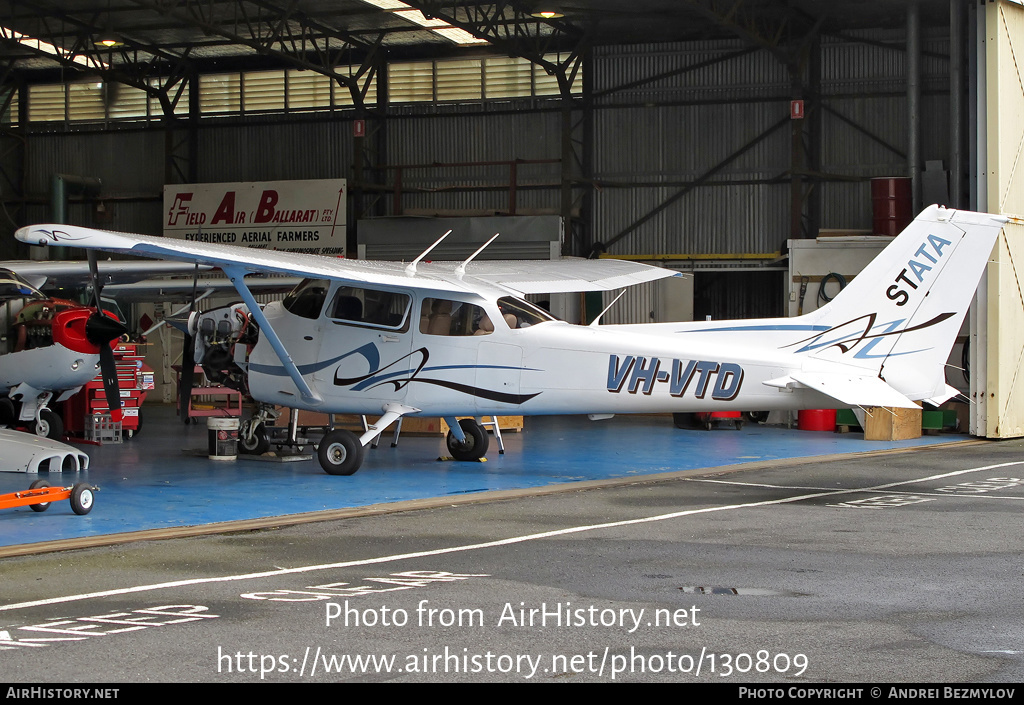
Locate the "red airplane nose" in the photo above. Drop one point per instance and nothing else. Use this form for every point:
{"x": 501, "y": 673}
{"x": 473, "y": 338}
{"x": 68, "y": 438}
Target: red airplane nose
{"x": 84, "y": 331}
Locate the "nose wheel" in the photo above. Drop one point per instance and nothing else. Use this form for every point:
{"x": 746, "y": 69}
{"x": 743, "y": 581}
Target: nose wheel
{"x": 48, "y": 425}
{"x": 254, "y": 441}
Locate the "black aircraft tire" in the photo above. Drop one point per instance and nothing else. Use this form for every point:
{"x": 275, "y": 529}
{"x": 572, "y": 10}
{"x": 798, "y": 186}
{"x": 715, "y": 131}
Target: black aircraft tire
{"x": 42, "y": 506}
{"x": 340, "y": 453}
{"x": 257, "y": 445}
{"x": 49, "y": 425}
{"x": 8, "y": 416}
{"x": 476, "y": 443}
{"x": 683, "y": 421}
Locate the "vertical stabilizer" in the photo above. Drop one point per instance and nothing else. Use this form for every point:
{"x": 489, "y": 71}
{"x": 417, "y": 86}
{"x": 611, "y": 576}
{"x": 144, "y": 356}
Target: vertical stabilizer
{"x": 900, "y": 316}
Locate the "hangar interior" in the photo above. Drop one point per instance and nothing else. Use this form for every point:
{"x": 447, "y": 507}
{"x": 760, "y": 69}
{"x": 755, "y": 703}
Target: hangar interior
{"x": 701, "y": 135}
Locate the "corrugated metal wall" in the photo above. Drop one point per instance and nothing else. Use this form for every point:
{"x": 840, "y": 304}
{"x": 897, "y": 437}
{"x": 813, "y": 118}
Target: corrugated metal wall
{"x": 719, "y": 108}
{"x": 649, "y": 140}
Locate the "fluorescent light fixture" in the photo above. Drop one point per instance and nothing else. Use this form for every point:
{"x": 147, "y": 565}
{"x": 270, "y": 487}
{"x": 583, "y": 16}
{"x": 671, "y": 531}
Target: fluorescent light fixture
{"x": 435, "y": 25}
{"x": 417, "y": 17}
{"x": 40, "y": 45}
{"x": 459, "y": 36}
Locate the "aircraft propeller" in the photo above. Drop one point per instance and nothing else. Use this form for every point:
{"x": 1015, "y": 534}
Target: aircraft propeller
{"x": 188, "y": 354}
{"x": 100, "y": 330}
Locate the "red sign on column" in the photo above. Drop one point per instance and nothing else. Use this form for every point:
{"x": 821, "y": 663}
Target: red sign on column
{"x": 796, "y": 109}
{"x": 359, "y": 128}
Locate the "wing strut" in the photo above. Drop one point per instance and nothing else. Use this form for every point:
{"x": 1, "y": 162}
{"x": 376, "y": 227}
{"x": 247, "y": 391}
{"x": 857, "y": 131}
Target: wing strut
{"x": 237, "y": 277}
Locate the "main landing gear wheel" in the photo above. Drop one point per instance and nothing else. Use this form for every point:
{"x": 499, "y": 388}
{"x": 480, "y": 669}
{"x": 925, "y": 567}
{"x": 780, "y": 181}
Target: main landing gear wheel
{"x": 82, "y": 499}
{"x": 475, "y": 446}
{"x": 42, "y": 506}
{"x": 340, "y": 453}
{"x": 760, "y": 417}
{"x": 49, "y": 425}
{"x": 257, "y": 443}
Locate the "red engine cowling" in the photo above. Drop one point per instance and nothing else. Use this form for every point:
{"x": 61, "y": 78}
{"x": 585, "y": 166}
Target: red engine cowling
{"x": 69, "y": 330}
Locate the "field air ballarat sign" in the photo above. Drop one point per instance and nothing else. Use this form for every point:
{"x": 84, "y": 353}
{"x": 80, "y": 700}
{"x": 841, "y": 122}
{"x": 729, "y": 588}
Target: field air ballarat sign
{"x": 298, "y": 216}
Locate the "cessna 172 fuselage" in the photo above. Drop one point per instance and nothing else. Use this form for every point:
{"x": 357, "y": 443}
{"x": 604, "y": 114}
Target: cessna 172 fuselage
{"x": 459, "y": 339}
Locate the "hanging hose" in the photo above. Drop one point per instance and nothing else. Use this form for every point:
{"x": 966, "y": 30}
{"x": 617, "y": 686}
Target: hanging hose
{"x": 965, "y": 360}
{"x": 822, "y": 296}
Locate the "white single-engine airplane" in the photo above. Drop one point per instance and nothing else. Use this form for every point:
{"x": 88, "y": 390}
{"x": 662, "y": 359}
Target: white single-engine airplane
{"x": 457, "y": 339}
{"x": 49, "y": 348}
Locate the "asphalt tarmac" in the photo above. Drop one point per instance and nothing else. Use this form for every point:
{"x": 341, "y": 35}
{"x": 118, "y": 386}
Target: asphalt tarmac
{"x": 873, "y": 569}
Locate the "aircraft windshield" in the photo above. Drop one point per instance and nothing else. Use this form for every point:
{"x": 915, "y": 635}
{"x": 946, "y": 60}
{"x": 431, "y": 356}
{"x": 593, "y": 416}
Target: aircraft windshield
{"x": 307, "y": 299}
{"x": 519, "y": 313}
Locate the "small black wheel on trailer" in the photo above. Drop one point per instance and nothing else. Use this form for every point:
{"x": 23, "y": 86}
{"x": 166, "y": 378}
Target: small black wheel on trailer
{"x": 340, "y": 453}
{"x": 256, "y": 444}
{"x": 49, "y": 425}
{"x": 476, "y": 443}
{"x": 82, "y": 498}
{"x": 42, "y": 506}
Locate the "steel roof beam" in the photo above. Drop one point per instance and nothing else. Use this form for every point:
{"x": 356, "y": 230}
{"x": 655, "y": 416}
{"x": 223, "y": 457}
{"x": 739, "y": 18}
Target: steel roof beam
{"x": 270, "y": 30}
{"x": 508, "y": 27}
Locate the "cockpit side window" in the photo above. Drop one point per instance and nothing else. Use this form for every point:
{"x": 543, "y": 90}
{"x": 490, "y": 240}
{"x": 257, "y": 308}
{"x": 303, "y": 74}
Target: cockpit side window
{"x": 453, "y": 318}
{"x": 307, "y": 299}
{"x": 371, "y": 307}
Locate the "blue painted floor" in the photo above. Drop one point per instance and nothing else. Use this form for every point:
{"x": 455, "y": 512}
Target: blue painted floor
{"x": 153, "y": 481}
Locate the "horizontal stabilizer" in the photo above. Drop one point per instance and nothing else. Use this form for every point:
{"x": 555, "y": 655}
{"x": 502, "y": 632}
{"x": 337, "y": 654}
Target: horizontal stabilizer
{"x": 854, "y": 390}
{"x": 941, "y": 399}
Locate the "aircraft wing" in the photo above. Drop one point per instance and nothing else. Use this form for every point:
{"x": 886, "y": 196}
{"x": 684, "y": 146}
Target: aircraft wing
{"x": 570, "y": 274}
{"x": 851, "y": 389}
{"x": 228, "y": 256}
{"x": 540, "y": 276}
{"x": 181, "y": 289}
{"x": 67, "y": 273}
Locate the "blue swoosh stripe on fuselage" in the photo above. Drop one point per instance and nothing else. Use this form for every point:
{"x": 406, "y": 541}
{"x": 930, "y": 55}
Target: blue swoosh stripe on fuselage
{"x": 383, "y": 378}
{"x": 733, "y": 329}
{"x": 279, "y": 371}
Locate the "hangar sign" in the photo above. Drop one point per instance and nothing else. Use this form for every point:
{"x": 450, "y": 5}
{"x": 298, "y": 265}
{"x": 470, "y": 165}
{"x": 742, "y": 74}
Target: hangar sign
{"x": 297, "y": 216}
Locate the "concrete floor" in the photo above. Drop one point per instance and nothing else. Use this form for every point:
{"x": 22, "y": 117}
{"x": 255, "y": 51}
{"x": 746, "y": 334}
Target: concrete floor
{"x": 160, "y": 479}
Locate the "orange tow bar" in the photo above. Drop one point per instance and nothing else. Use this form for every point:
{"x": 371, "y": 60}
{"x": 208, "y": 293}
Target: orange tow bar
{"x": 39, "y": 495}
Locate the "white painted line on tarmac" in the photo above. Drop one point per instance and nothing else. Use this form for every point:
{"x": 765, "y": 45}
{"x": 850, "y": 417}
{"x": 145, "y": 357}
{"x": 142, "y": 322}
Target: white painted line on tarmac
{"x": 961, "y": 493}
{"x": 477, "y": 546}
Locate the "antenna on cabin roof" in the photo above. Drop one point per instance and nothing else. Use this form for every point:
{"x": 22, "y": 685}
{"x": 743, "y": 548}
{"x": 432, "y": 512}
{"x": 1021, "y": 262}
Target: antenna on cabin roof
{"x": 461, "y": 269}
{"x": 411, "y": 267}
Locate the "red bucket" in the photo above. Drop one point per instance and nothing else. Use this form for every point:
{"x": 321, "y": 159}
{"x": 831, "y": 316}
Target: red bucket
{"x": 816, "y": 420}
